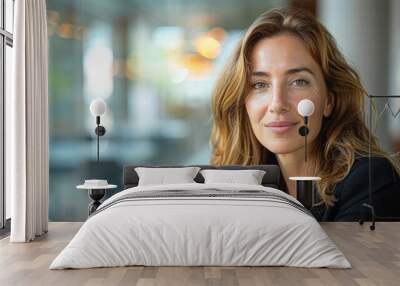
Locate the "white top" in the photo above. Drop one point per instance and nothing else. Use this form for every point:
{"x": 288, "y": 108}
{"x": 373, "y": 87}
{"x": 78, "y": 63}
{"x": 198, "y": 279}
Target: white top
{"x": 305, "y": 178}
{"x": 92, "y": 187}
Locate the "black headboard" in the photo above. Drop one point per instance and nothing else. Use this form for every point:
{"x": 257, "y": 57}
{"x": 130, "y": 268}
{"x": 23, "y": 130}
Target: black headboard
{"x": 270, "y": 179}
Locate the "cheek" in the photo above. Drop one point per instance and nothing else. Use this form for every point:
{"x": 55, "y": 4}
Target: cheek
{"x": 256, "y": 108}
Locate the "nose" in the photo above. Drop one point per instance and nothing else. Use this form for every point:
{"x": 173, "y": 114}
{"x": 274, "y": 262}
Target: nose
{"x": 278, "y": 102}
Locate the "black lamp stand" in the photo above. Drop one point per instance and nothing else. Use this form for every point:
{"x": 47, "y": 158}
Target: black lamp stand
{"x": 100, "y": 131}
{"x": 304, "y": 188}
{"x": 97, "y": 194}
{"x": 303, "y": 131}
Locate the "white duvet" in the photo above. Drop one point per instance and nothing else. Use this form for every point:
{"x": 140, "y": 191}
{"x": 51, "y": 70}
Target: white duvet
{"x": 200, "y": 231}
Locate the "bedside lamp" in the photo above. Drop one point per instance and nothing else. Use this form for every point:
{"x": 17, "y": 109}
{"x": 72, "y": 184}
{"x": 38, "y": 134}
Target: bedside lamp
{"x": 304, "y": 185}
{"x": 97, "y": 188}
{"x": 98, "y": 108}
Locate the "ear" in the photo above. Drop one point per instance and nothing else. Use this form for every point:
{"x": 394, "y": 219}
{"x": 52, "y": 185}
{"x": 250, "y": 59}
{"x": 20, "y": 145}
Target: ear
{"x": 329, "y": 105}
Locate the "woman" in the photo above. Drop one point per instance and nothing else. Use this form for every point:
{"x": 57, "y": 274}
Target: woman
{"x": 286, "y": 56}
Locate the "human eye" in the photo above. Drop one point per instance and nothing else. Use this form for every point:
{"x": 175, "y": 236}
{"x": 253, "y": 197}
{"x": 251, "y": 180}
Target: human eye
{"x": 259, "y": 85}
{"x": 300, "y": 82}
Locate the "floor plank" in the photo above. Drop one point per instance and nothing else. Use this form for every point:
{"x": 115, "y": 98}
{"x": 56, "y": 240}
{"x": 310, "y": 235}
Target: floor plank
{"x": 374, "y": 255}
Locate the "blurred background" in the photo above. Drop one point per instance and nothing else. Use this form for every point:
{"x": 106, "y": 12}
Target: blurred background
{"x": 155, "y": 64}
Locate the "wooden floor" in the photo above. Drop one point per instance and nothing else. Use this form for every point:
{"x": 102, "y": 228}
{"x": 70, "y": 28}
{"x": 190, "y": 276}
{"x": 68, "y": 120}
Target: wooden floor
{"x": 374, "y": 255}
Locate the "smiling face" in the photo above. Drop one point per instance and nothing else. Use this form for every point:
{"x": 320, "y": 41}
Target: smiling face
{"x": 283, "y": 73}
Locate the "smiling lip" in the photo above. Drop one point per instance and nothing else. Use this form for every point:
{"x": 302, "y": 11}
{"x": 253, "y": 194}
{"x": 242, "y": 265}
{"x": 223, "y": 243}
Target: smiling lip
{"x": 280, "y": 127}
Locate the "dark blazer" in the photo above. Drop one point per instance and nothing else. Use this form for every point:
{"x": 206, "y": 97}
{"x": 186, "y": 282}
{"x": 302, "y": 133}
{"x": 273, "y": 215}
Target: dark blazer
{"x": 352, "y": 192}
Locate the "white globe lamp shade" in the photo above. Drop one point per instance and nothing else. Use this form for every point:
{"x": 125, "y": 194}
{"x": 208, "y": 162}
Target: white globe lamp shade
{"x": 305, "y": 107}
{"x": 98, "y": 107}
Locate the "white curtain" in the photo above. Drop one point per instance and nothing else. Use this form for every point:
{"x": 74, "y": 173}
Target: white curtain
{"x": 27, "y": 124}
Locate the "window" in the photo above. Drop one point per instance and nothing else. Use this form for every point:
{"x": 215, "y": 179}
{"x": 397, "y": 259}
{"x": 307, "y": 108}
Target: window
{"x": 6, "y": 44}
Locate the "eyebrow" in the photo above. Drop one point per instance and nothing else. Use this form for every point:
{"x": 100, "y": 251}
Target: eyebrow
{"x": 288, "y": 72}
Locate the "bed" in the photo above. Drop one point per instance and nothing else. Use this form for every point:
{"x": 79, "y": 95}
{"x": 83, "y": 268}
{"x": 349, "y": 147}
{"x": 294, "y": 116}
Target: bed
{"x": 201, "y": 224}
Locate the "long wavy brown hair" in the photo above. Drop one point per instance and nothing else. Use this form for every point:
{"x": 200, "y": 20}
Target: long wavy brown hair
{"x": 343, "y": 136}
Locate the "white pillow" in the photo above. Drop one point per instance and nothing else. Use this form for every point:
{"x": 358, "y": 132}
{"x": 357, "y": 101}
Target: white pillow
{"x": 162, "y": 176}
{"x": 249, "y": 177}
